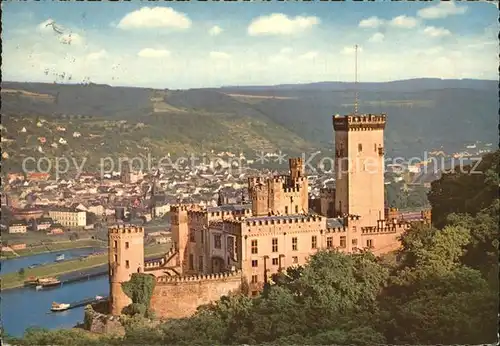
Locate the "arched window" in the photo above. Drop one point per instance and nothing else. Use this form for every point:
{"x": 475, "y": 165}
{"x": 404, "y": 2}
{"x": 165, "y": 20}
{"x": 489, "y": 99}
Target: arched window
{"x": 360, "y": 147}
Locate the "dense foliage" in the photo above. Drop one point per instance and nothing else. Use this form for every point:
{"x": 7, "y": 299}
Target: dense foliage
{"x": 441, "y": 289}
{"x": 139, "y": 289}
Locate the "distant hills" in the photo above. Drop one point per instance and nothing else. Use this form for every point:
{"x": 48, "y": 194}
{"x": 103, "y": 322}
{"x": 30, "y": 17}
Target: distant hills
{"x": 424, "y": 114}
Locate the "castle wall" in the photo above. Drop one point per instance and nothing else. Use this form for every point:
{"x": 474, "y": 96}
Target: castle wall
{"x": 180, "y": 297}
{"x": 280, "y": 232}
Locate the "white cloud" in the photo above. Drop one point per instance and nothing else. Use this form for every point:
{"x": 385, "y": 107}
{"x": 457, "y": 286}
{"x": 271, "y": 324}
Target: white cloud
{"x": 404, "y": 22}
{"x": 350, "y": 50}
{"x": 153, "y": 53}
{"x": 442, "y": 10}
{"x": 372, "y": 22}
{"x": 377, "y": 37}
{"x": 215, "y": 30}
{"x": 155, "y": 17}
{"x": 219, "y": 55}
{"x": 286, "y": 50}
{"x": 432, "y": 31}
{"x": 309, "y": 56}
{"x": 280, "y": 24}
{"x": 97, "y": 55}
{"x": 71, "y": 38}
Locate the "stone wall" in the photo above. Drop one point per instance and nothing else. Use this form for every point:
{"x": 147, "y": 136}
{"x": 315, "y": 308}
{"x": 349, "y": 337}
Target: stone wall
{"x": 179, "y": 297}
{"x": 99, "y": 323}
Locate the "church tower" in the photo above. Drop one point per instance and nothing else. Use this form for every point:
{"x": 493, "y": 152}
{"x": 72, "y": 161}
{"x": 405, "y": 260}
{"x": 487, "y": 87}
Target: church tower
{"x": 359, "y": 166}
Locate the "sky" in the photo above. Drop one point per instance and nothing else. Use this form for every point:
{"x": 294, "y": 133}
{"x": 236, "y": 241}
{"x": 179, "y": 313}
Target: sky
{"x": 180, "y": 45}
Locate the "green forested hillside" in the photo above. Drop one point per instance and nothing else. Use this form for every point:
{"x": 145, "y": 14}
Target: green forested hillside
{"x": 294, "y": 119}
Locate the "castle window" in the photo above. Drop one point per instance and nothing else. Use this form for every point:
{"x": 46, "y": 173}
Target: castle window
{"x": 275, "y": 244}
{"x": 354, "y": 242}
{"x": 369, "y": 243}
{"x": 192, "y": 238}
{"x": 354, "y": 228}
{"x": 127, "y": 245}
{"x": 255, "y": 250}
{"x": 116, "y": 258}
{"x": 329, "y": 242}
{"x": 217, "y": 241}
{"x": 294, "y": 243}
{"x": 296, "y": 209}
{"x": 343, "y": 242}
{"x": 255, "y": 279}
{"x": 375, "y": 147}
{"x": 200, "y": 263}
{"x": 255, "y": 263}
{"x": 314, "y": 242}
{"x": 295, "y": 259}
{"x": 191, "y": 262}
{"x": 116, "y": 244}
{"x": 202, "y": 238}
{"x": 127, "y": 264}
{"x": 286, "y": 210}
{"x": 360, "y": 147}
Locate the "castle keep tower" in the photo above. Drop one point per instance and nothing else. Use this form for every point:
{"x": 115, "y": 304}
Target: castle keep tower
{"x": 281, "y": 195}
{"x": 359, "y": 166}
{"x": 126, "y": 256}
{"x": 180, "y": 233}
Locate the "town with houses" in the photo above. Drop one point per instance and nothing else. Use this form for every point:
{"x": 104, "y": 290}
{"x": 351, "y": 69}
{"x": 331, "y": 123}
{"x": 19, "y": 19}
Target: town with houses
{"x": 39, "y": 203}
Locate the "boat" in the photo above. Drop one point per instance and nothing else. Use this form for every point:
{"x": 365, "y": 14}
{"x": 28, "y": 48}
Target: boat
{"x": 99, "y": 297}
{"x": 38, "y": 287}
{"x": 31, "y": 281}
{"x": 49, "y": 282}
{"x": 59, "y": 306}
{"x": 33, "y": 266}
{"x": 60, "y": 258}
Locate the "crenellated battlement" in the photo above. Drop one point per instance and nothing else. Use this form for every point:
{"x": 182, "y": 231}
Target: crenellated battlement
{"x": 296, "y": 189}
{"x": 359, "y": 122}
{"x": 125, "y": 229}
{"x": 165, "y": 280}
{"x": 271, "y": 220}
{"x": 390, "y": 228}
{"x": 301, "y": 179}
{"x": 148, "y": 265}
{"x": 179, "y": 208}
{"x": 336, "y": 230}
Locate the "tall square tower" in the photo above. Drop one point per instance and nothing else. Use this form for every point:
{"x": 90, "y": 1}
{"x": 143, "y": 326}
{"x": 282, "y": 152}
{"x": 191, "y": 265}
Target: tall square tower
{"x": 359, "y": 166}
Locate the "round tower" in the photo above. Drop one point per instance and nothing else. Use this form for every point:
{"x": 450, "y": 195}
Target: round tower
{"x": 126, "y": 256}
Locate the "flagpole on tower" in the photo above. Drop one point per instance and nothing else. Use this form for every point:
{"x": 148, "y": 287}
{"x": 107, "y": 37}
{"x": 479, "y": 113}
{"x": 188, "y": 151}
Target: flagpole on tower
{"x": 356, "y": 79}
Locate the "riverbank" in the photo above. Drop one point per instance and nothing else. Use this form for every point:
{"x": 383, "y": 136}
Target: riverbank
{"x": 53, "y": 247}
{"x": 14, "y": 280}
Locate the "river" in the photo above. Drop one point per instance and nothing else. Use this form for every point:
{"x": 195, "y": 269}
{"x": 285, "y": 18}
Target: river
{"x": 25, "y": 307}
{"x": 14, "y": 264}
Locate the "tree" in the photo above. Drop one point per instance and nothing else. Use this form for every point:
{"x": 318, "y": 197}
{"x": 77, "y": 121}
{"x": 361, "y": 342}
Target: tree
{"x": 139, "y": 289}
{"x": 466, "y": 190}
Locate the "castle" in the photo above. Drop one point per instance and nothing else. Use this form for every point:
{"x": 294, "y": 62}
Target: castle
{"x": 217, "y": 248}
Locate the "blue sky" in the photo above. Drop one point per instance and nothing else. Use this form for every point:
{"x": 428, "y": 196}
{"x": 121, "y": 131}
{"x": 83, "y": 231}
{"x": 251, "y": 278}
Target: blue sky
{"x": 205, "y": 44}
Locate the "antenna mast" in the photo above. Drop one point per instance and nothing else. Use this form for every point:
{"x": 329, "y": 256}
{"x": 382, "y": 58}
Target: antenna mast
{"x": 356, "y": 79}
